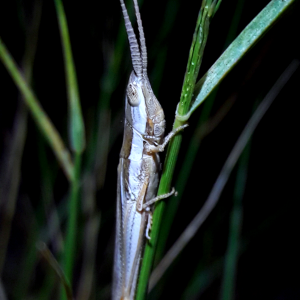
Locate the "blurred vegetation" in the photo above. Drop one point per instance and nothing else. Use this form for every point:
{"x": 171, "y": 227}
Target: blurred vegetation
{"x": 248, "y": 245}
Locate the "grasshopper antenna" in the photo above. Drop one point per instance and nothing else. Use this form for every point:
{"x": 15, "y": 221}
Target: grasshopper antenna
{"x": 142, "y": 37}
{"x": 133, "y": 44}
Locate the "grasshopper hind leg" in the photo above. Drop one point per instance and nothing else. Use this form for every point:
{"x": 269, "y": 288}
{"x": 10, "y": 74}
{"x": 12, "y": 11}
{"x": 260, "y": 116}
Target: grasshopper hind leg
{"x": 164, "y": 196}
{"x": 146, "y": 207}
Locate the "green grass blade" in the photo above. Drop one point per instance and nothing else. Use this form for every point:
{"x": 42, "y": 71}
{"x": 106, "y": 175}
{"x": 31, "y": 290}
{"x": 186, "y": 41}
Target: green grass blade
{"x": 237, "y": 49}
{"x": 183, "y": 177}
{"x": 76, "y": 125}
{"x": 77, "y": 140}
{"x": 70, "y": 246}
{"x": 48, "y": 256}
{"x": 191, "y": 154}
{"x": 39, "y": 115}
{"x": 193, "y": 148}
{"x": 233, "y": 248}
{"x": 194, "y": 62}
{"x": 195, "y": 57}
{"x": 218, "y": 187}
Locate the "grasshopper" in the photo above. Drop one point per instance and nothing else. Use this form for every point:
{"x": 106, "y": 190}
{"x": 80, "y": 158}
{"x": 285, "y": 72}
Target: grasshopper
{"x": 139, "y": 166}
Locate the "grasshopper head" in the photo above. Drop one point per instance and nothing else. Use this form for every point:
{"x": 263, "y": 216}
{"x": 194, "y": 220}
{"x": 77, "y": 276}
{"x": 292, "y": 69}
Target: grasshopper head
{"x": 145, "y": 108}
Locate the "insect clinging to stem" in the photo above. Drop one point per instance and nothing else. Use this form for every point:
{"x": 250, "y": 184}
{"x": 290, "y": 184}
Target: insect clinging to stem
{"x": 139, "y": 165}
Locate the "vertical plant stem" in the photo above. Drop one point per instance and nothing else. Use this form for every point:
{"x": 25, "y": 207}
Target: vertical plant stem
{"x": 233, "y": 248}
{"x": 164, "y": 187}
{"x": 76, "y": 125}
{"x": 70, "y": 246}
{"x": 77, "y": 141}
{"x": 218, "y": 187}
{"x": 194, "y": 145}
{"x": 181, "y": 182}
{"x": 236, "y": 51}
{"x": 194, "y": 62}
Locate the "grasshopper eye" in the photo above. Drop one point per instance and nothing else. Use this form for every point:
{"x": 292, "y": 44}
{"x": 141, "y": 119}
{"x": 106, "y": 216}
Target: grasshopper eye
{"x": 132, "y": 95}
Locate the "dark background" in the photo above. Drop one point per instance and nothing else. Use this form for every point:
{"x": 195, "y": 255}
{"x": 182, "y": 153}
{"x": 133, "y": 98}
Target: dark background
{"x": 268, "y": 265}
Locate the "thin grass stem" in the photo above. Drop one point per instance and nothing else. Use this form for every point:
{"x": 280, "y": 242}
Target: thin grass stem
{"x": 194, "y": 62}
{"x": 218, "y": 187}
{"x": 71, "y": 233}
{"x": 77, "y": 141}
{"x": 48, "y": 256}
{"x": 76, "y": 125}
{"x": 42, "y": 120}
{"x": 233, "y": 248}
{"x": 235, "y": 52}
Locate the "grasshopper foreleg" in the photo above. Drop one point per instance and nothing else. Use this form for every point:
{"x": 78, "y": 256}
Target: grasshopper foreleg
{"x": 161, "y": 148}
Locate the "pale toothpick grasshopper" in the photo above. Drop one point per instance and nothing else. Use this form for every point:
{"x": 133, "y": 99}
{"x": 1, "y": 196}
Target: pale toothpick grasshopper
{"x": 139, "y": 166}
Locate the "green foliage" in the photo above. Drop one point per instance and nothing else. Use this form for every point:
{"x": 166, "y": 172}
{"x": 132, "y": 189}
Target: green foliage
{"x": 58, "y": 199}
